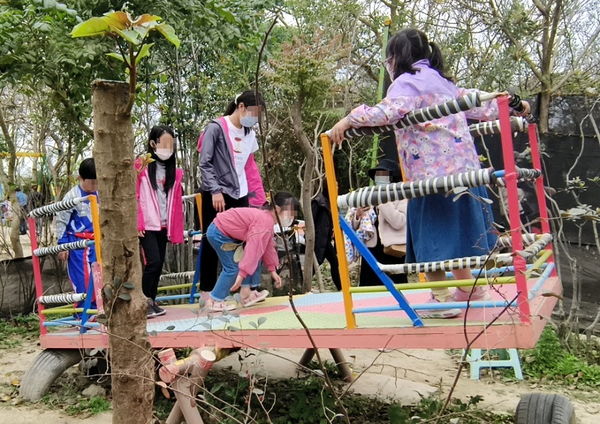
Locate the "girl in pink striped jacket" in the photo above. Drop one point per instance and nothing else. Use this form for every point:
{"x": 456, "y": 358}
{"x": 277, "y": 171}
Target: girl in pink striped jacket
{"x": 160, "y": 209}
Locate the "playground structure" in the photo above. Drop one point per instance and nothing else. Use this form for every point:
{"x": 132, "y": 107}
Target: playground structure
{"x": 526, "y": 286}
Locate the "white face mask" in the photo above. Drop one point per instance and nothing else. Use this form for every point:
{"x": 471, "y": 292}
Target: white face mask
{"x": 249, "y": 121}
{"x": 286, "y": 220}
{"x": 164, "y": 154}
{"x": 382, "y": 179}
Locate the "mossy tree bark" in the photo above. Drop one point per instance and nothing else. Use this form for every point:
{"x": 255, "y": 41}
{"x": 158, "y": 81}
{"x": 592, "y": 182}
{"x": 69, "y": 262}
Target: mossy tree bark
{"x": 132, "y": 366}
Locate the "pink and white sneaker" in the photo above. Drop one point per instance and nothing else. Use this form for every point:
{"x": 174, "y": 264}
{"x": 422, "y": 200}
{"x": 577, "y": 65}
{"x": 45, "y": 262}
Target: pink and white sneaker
{"x": 254, "y": 297}
{"x": 216, "y": 306}
{"x": 438, "y": 313}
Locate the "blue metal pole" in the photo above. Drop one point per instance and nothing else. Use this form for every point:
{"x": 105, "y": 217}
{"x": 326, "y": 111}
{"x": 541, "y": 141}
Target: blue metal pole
{"x": 385, "y": 279}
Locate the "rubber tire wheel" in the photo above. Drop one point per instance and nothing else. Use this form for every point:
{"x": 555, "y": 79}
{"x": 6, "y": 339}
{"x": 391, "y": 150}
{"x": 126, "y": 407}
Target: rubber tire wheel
{"x": 542, "y": 408}
{"x": 45, "y": 369}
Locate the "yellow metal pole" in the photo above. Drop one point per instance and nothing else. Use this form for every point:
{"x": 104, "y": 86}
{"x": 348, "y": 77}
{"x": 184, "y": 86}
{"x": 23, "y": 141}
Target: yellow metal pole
{"x": 436, "y": 284}
{"x": 539, "y": 262}
{"x": 198, "y": 198}
{"x": 96, "y": 224}
{"x": 337, "y": 230}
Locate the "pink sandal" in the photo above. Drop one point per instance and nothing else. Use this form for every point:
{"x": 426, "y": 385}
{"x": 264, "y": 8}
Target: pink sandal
{"x": 254, "y": 297}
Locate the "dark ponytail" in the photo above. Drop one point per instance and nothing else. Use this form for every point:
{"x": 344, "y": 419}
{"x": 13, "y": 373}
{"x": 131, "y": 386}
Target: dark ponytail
{"x": 411, "y": 45}
{"x": 248, "y": 98}
{"x": 436, "y": 60}
{"x": 282, "y": 199}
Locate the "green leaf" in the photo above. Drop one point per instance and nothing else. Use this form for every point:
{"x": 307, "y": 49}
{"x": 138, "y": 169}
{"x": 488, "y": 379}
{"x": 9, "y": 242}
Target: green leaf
{"x": 144, "y": 51}
{"x": 117, "y": 20}
{"x": 170, "y": 327}
{"x": 169, "y": 33}
{"x": 262, "y": 320}
{"x": 253, "y": 324}
{"x": 145, "y": 18}
{"x": 125, "y": 296}
{"x": 129, "y": 35}
{"x": 91, "y": 27}
{"x": 129, "y": 285}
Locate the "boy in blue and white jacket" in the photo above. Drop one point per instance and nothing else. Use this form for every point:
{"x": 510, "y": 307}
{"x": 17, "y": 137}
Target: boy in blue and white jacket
{"x": 76, "y": 224}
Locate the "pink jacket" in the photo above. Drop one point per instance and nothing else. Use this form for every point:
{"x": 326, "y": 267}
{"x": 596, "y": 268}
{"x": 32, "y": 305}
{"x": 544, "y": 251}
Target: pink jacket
{"x": 255, "y": 227}
{"x": 148, "y": 213}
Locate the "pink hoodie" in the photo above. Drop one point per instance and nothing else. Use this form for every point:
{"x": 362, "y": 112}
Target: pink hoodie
{"x": 255, "y": 227}
{"x": 148, "y": 213}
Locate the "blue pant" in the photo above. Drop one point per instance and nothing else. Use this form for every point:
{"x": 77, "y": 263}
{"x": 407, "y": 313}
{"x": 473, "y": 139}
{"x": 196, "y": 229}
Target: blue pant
{"x": 79, "y": 269}
{"x": 230, "y": 269}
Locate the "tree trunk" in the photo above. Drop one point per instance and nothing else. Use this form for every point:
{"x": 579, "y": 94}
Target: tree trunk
{"x": 544, "y": 111}
{"x": 306, "y": 198}
{"x": 15, "y": 231}
{"x": 132, "y": 365}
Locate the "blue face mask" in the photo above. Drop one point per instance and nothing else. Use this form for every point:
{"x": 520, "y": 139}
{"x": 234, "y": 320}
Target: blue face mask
{"x": 249, "y": 121}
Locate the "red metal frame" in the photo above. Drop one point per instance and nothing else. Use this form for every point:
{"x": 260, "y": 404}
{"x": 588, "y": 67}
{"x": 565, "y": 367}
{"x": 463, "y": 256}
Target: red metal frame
{"x": 510, "y": 179}
{"x": 540, "y": 191}
{"x": 37, "y": 272}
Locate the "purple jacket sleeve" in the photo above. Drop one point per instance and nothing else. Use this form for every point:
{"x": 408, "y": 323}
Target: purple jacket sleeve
{"x": 388, "y": 111}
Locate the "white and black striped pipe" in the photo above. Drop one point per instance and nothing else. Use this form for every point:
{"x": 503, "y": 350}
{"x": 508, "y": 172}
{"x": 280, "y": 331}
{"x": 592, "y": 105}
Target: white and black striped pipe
{"x": 375, "y": 195}
{"x": 536, "y": 247}
{"x": 51, "y": 250}
{"x": 493, "y": 127}
{"x": 472, "y": 262}
{"x": 419, "y": 116}
{"x": 52, "y": 208}
{"x": 62, "y": 298}
{"x": 177, "y": 275}
{"x": 506, "y": 241}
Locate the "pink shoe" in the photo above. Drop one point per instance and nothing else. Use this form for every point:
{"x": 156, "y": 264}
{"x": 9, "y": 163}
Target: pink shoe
{"x": 215, "y": 306}
{"x": 438, "y": 313}
{"x": 480, "y": 293}
{"x": 254, "y": 297}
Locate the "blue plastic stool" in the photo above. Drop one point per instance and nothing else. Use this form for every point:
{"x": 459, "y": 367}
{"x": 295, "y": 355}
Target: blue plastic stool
{"x": 476, "y": 363}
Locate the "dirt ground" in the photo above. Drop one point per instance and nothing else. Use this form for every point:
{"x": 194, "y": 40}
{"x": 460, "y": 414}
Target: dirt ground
{"x": 403, "y": 376}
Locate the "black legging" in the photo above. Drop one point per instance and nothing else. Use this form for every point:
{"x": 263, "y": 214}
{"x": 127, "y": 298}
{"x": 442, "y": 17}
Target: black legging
{"x": 154, "y": 246}
{"x": 369, "y": 278}
{"x": 208, "y": 256}
{"x": 331, "y": 256}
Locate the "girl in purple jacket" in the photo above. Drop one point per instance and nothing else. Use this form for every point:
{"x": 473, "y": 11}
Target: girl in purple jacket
{"x": 160, "y": 209}
{"x": 439, "y": 226}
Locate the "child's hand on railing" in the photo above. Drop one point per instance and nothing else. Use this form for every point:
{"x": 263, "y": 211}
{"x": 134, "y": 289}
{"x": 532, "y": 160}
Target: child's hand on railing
{"x": 336, "y": 134}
